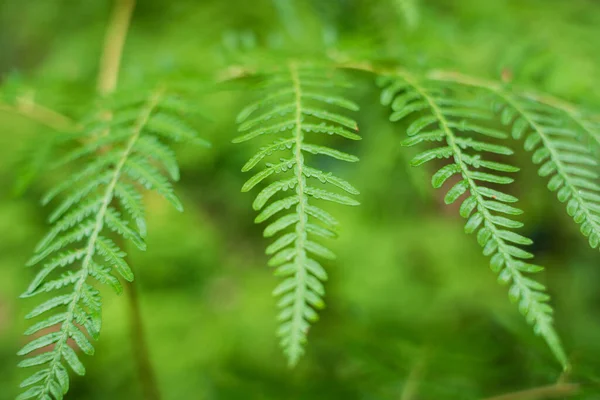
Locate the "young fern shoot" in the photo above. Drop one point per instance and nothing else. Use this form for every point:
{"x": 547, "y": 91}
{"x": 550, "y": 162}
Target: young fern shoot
{"x": 121, "y": 155}
{"x": 457, "y": 127}
{"x": 295, "y": 105}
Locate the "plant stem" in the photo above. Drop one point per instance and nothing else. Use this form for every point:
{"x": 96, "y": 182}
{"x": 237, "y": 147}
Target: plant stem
{"x": 542, "y": 392}
{"x": 114, "y": 40}
{"x": 411, "y": 386}
{"x": 298, "y": 335}
{"x": 141, "y": 355}
{"x": 110, "y": 63}
{"x": 450, "y": 76}
{"x": 41, "y": 114}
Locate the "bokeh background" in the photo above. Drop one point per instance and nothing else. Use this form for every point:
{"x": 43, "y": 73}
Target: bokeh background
{"x": 413, "y": 311}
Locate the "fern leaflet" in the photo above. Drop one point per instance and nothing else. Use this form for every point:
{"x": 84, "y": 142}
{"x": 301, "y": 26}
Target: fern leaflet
{"x": 561, "y": 138}
{"x": 570, "y": 164}
{"x": 122, "y": 153}
{"x": 295, "y": 104}
{"x": 446, "y": 122}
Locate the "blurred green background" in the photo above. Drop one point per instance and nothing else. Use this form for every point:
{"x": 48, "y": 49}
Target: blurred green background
{"x": 413, "y": 311}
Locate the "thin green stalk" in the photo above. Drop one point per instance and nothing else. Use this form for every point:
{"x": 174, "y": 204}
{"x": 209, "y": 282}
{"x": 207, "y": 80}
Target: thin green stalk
{"x": 300, "y": 259}
{"x": 110, "y": 62}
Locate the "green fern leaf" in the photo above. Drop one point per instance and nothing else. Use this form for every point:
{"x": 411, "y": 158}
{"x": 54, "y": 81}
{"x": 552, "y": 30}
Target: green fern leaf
{"x": 570, "y": 166}
{"x": 486, "y": 209}
{"x": 294, "y": 106}
{"x": 120, "y": 155}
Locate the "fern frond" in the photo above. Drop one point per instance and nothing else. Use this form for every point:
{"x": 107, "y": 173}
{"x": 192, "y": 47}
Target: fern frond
{"x": 120, "y": 155}
{"x": 562, "y": 139}
{"x": 445, "y": 122}
{"x": 298, "y": 102}
{"x": 569, "y": 164}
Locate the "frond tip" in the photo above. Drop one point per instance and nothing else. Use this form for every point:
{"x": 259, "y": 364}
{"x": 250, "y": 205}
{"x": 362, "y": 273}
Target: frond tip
{"x": 295, "y": 104}
{"x": 122, "y": 155}
{"x": 446, "y": 123}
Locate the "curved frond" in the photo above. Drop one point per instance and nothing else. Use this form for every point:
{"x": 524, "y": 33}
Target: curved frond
{"x": 120, "y": 154}
{"x": 299, "y": 104}
{"x": 457, "y": 132}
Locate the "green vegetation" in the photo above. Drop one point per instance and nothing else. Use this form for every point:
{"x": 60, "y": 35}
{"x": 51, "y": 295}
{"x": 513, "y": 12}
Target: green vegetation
{"x": 113, "y": 111}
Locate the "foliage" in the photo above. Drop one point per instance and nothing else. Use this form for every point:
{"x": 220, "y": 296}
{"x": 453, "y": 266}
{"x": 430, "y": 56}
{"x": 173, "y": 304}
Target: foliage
{"x": 288, "y": 99}
{"x": 487, "y": 210}
{"x": 307, "y": 65}
{"x": 120, "y": 150}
